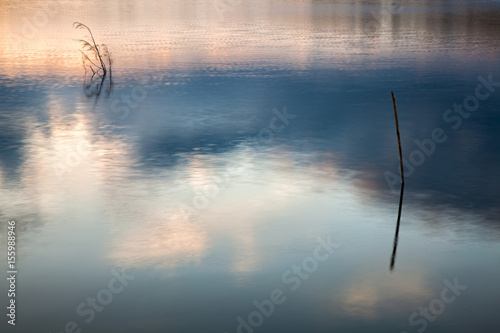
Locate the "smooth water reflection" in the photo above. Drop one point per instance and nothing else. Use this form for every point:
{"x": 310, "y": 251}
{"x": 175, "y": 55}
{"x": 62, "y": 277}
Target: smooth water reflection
{"x": 182, "y": 177}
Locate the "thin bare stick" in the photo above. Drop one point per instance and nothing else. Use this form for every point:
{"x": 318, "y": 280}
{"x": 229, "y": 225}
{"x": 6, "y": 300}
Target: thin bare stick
{"x": 399, "y": 139}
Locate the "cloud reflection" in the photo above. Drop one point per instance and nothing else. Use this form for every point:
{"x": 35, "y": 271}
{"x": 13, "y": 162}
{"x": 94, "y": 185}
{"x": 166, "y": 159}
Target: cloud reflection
{"x": 159, "y": 244}
{"x": 372, "y": 298}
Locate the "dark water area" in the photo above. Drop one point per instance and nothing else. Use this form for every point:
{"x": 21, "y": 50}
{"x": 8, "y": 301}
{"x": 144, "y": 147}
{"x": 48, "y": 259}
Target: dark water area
{"x": 241, "y": 174}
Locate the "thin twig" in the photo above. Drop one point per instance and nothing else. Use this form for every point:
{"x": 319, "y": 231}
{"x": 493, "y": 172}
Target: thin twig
{"x": 399, "y": 139}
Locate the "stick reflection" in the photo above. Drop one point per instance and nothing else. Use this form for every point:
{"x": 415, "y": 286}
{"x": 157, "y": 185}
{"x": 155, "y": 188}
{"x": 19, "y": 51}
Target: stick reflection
{"x": 395, "y": 248}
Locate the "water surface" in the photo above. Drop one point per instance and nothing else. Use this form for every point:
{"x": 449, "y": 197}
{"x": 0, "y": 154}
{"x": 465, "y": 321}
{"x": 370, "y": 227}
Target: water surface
{"x": 233, "y": 139}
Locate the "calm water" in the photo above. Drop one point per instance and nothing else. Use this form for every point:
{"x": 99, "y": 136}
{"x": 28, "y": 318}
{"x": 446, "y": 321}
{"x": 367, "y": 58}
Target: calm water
{"x": 247, "y": 153}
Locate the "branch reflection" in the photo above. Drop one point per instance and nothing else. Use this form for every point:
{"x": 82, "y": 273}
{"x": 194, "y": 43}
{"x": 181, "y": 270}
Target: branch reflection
{"x": 395, "y": 247}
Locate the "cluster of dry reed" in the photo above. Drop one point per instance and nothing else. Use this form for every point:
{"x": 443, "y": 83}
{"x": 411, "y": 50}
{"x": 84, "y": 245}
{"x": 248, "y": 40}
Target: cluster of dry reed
{"x": 97, "y": 62}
